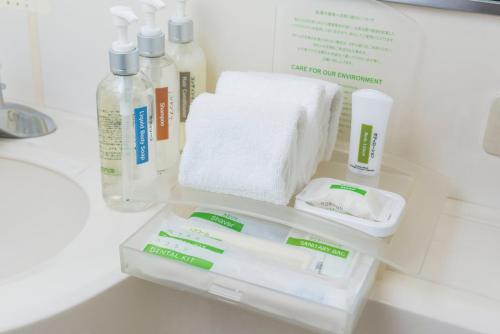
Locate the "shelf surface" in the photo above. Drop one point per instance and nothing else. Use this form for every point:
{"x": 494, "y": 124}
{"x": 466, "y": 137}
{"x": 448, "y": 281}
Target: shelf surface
{"x": 425, "y": 192}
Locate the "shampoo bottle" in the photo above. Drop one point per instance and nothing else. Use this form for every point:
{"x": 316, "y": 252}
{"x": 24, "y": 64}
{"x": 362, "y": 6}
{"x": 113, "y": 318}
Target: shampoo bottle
{"x": 124, "y": 105}
{"x": 164, "y": 77}
{"x": 370, "y": 114}
{"x": 190, "y": 61}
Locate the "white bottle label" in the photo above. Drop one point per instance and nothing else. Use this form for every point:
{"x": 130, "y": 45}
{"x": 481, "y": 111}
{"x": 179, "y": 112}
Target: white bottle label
{"x": 110, "y": 141}
{"x": 141, "y": 135}
{"x": 186, "y": 85}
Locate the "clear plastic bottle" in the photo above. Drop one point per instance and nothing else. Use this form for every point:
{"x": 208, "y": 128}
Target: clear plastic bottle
{"x": 124, "y": 105}
{"x": 163, "y": 74}
{"x": 190, "y": 61}
{"x": 164, "y": 77}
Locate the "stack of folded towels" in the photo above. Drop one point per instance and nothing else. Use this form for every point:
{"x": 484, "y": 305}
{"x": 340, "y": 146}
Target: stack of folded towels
{"x": 261, "y": 135}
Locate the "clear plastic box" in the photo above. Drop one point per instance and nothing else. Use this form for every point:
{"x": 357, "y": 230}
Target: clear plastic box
{"x": 336, "y": 312}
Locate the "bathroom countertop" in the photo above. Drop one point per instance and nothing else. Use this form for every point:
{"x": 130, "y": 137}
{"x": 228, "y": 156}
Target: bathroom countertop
{"x": 461, "y": 308}
{"x": 90, "y": 263}
{"x": 458, "y": 283}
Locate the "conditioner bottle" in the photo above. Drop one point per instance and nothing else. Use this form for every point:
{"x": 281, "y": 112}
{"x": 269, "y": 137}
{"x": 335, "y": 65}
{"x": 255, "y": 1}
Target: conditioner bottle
{"x": 190, "y": 61}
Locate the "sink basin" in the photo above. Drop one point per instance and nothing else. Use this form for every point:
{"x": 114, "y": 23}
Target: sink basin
{"x": 41, "y": 212}
{"x": 59, "y": 242}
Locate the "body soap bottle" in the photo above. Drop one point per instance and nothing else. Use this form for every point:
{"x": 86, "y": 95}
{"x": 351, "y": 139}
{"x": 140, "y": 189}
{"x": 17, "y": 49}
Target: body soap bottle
{"x": 164, "y": 77}
{"x": 124, "y": 104}
{"x": 190, "y": 61}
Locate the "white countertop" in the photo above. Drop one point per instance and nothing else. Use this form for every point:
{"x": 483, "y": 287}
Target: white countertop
{"x": 459, "y": 282}
{"x": 90, "y": 263}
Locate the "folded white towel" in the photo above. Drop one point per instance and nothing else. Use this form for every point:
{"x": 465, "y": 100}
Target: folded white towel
{"x": 333, "y": 104}
{"x": 334, "y": 99}
{"x": 244, "y": 147}
{"x": 281, "y": 89}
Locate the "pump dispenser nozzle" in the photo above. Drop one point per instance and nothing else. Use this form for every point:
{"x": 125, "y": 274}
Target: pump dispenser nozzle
{"x": 180, "y": 26}
{"x": 123, "y": 56}
{"x": 122, "y": 17}
{"x": 149, "y": 8}
{"x": 180, "y": 13}
{"x": 150, "y": 39}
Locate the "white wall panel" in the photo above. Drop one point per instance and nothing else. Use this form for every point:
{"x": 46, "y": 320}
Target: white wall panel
{"x": 15, "y": 56}
{"x": 75, "y": 38}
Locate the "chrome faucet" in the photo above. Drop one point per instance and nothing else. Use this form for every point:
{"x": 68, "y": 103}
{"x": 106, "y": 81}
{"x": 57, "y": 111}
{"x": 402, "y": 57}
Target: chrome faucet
{"x": 20, "y": 121}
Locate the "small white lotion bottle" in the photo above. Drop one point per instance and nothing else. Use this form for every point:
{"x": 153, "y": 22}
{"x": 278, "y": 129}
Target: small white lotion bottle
{"x": 162, "y": 71}
{"x": 190, "y": 61}
{"x": 371, "y": 110}
{"x": 124, "y": 105}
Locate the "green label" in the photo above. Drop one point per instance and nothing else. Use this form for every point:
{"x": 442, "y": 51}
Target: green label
{"x": 223, "y": 221}
{"x": 365, "y": 139}
{"x": 328, "y": 249}
{"x": 193, "y": 242}
{"x": 349, "y": 188}
{"x": 110, "y": 171}
{"x": 176, "y": 256}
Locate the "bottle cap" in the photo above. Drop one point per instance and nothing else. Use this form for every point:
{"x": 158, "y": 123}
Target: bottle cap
{"x": 180, "y": 27}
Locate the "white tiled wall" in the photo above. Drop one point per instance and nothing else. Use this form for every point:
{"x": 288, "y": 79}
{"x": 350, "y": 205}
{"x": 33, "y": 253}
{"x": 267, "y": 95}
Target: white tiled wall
{"x": 460, "y": 74}
{"x": 15, "y": 56}
{"x": 74, "y": 40}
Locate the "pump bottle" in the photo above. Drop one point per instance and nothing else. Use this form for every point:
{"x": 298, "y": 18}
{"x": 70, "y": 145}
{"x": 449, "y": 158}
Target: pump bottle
{"x": 189, "y": 59}
{"x": 124, "y": 105}
{"x": 164, "y": 77}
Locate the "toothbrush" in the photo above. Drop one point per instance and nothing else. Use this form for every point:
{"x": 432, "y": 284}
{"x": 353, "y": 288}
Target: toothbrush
{"x": 295, "y": 258}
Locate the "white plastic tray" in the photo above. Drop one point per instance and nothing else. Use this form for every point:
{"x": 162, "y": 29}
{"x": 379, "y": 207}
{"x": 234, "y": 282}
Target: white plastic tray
{"x": 425, "y": 192}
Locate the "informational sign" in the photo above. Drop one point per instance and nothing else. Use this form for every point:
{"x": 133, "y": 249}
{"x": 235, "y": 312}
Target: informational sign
{"x": 356, "y": 43}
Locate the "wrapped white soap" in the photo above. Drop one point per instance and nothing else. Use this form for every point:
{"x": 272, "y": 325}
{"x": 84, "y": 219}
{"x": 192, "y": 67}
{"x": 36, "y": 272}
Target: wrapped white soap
{"x": 368, "y": 209}
{"x": 346, "y": 198}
